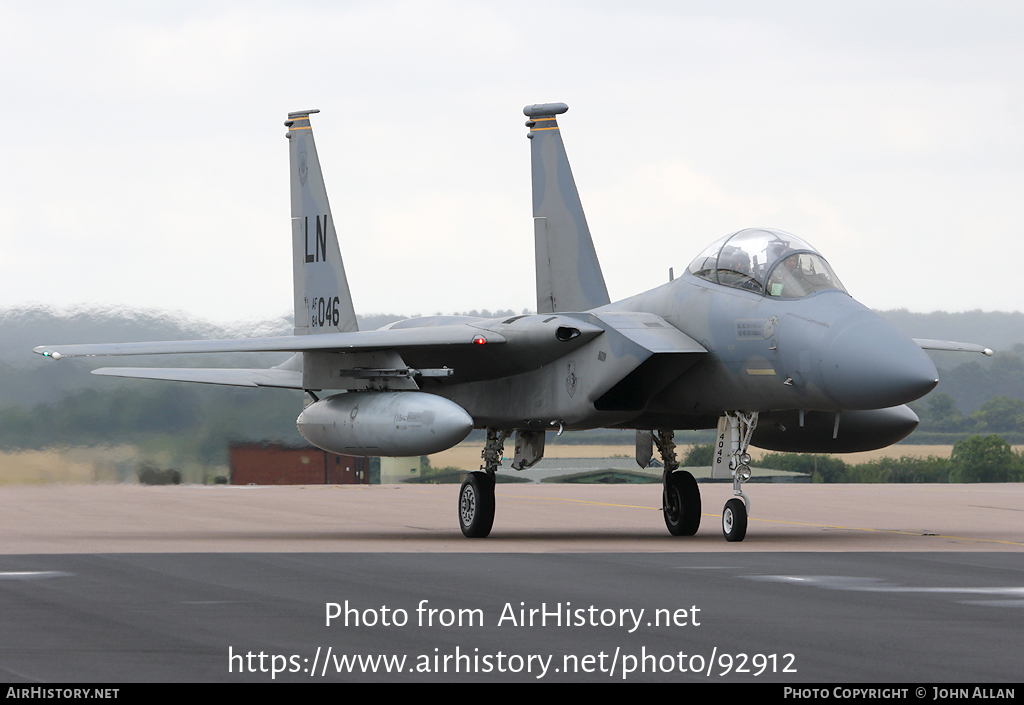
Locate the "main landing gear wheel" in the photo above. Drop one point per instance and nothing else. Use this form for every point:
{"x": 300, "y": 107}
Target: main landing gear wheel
{"x": 476, "y": 505}
{"x": 681, "y": 504}
{"x": 734, "y": 520}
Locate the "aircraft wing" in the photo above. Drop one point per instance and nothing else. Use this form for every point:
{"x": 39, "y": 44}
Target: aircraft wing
{"x": 951, "y": 346}
{"x": 483, "y": 349}
{"x": 458, "y": 335}
{"x": 284, "y": 379}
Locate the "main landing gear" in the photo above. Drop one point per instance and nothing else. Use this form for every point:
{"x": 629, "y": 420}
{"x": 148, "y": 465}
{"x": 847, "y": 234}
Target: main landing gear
{"x": 733, "y": 440}
{"x": 681, "y": 504}
{"x": 476, "y": 498}
{"x": 680, "y": 501}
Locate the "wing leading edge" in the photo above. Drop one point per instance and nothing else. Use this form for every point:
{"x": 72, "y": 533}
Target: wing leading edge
{"x": 288, "y": 375}
{"x": 446, "y": 354}
{"x": 328, "y": 342}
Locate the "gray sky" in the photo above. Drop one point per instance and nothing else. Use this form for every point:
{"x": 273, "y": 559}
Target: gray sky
{"x": 144, "y": 163}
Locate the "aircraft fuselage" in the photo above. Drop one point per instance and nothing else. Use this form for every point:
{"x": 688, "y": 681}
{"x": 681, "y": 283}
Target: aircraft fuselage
{"x": 823, "y": 352}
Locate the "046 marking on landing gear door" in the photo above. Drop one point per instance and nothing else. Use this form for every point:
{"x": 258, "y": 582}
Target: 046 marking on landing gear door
{"x": 719, "y": 464}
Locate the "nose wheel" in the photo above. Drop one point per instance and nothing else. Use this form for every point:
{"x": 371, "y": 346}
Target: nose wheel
{"x": 734, "y": 520}
{"x": 734, "y": 432}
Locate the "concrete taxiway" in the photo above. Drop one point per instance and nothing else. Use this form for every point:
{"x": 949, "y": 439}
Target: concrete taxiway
{"x": 783, "y": 618}
{"x": 915, "y": 584}
{"x": 548, "y": 518}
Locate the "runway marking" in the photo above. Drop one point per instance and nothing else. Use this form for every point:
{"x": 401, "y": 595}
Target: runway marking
{"x": 857, "y": 584}
{"x": 994, "y": 603}
{"x": 33, "y": 575}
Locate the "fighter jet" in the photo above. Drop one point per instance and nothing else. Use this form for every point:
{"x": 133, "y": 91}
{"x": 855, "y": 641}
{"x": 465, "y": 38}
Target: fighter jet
{"x": 757, "y": 338}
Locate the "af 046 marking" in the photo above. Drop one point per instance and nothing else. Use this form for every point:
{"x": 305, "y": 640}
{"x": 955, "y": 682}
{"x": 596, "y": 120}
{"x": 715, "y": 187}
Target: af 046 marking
{"x": 323, "y": 310}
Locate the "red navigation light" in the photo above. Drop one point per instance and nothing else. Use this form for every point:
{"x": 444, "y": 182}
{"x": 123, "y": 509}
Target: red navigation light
{"x": 479, "y": 340}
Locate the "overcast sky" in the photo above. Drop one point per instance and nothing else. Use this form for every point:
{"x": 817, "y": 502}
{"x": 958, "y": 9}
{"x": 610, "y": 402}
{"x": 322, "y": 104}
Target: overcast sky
{"x": 143, "y": 161}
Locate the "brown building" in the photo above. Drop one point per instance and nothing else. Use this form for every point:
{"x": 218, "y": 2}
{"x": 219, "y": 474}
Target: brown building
{"x": 275, "y": 464}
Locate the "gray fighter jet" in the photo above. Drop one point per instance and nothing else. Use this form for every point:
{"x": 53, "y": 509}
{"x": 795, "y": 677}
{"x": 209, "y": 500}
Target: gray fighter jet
{"x": 757, "y": 338}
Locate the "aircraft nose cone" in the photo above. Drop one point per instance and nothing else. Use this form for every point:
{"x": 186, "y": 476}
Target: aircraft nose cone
{"x": 871, "y": 365}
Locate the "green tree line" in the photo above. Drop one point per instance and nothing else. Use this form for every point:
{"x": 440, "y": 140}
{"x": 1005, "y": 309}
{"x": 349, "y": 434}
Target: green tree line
{"x": 45, "y": 404}
{"x": 974, "y": 459}
{"x": 204, "y": 418}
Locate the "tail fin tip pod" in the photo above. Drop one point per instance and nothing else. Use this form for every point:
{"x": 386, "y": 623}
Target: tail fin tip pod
{"x": 545, "y": 109}
{"x": 323, "y": 303}
{"x": 569, "y": 276}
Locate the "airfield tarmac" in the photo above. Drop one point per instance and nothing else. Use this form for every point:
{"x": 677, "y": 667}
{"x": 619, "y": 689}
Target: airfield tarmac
{"x": 530, "y": 518}
{"x": 911, "y": 584}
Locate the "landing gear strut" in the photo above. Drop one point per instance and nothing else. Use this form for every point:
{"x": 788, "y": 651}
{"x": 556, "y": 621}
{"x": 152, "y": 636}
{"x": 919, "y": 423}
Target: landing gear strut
{"x": 740, "y": 428}
{"x": 680, "y": 497}
{"x": 476, "y": 497}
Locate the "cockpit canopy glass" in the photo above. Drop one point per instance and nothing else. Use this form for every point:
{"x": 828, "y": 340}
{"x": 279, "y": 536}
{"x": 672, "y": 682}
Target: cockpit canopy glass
{"x": 770, "y": 262}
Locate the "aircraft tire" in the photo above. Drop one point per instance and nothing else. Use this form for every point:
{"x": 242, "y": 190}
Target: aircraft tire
{"x": 681, "y": 504}
{"x": 734, "y": 520}
{"x": 476, "y": 505}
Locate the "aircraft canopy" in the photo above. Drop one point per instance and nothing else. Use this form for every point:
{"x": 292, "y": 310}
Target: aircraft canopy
{"x": 768, "y": 262}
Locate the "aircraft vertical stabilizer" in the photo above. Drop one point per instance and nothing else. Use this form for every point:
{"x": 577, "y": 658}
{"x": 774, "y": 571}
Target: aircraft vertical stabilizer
{"x": 569, "y": 275}
{"x": 323, "y": 303}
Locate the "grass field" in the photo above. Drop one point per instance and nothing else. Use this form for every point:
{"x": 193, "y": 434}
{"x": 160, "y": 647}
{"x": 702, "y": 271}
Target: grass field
{"x": 467, "y": 457}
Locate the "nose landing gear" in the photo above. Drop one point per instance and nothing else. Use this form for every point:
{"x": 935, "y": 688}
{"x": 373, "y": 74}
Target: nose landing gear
{"x": 734, "y": 432}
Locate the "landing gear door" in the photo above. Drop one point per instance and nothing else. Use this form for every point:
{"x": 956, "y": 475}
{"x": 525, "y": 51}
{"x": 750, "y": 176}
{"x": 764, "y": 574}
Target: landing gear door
{"x": 529, "y": 449}
{"x": 720, "y": 460}
{"x": 644, "y": 448}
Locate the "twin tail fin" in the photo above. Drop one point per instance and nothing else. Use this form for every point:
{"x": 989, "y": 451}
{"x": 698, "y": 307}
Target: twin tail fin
{"x": 323, "y": 303}
{"x": 569, "y": 276}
